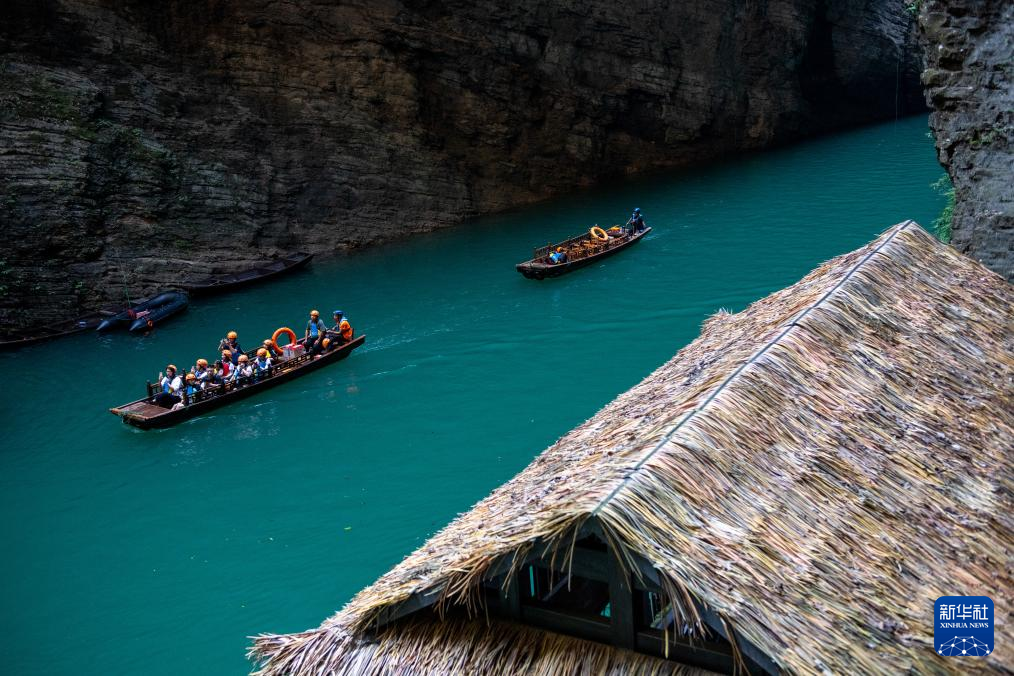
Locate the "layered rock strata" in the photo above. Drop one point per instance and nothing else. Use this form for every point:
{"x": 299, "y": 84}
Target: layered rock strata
{"x": 969, "y": 82}
{"x": 145, "y": 142}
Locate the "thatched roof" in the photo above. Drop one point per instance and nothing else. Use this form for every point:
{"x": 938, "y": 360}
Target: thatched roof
{"x": 457, "y": 646}
{"x": 816, "y": 470}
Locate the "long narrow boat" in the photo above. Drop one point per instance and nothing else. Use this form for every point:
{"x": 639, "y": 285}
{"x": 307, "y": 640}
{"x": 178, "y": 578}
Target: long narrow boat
{"x": 265, "y": 271}
{"x": 146, "y": 414}
{"x": 48, "y": 332}
{"x": 582, "y": 250}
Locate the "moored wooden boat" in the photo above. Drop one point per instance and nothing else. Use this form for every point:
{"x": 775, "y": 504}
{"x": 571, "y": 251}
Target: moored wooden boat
{"x": 265, "y": 271}
{"x": 146, "y": 414}
{"x": 582, "y": 250}
{"x": 48, "y": 332}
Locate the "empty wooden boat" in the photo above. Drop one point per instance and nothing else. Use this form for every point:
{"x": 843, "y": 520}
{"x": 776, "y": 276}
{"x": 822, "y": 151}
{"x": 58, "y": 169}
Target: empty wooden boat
{"x": 38, "y": 334}
{"x": 231, "y": 280}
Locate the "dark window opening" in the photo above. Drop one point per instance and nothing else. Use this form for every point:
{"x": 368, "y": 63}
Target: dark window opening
{"x": 577, "y": 601}
{"x": 557, "y": 590}
{"x": 591, "y": 543}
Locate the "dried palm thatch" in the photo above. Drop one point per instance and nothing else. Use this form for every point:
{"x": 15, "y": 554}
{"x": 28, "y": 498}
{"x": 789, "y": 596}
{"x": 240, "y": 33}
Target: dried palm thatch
{"x": 418, "y": 646}
{"x": 815, "y": 469}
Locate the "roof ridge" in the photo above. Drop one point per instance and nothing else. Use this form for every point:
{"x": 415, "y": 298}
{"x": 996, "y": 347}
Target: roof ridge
{"x": 754, "y": 357}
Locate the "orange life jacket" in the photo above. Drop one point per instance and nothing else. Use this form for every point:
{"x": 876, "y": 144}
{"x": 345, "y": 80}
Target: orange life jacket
{"x": 346, "y": 330}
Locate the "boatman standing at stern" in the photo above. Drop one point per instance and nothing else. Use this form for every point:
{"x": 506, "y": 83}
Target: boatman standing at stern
{"x": 636, "y": 222}
{"x": 315, "y": 330}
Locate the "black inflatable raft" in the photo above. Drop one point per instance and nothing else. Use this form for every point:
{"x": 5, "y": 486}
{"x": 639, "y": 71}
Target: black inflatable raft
{"x": 147, "y": 313}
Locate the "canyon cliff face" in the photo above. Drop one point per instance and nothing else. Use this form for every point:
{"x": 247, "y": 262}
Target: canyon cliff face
{"x": 145, "y": 142}
{"x": 969, "y": 82}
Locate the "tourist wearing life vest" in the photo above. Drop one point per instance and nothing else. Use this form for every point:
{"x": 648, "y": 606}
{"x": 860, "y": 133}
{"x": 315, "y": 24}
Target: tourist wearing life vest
{"x": 231, "y": 343}
{"x": 262, "y": 365}
{"x": 244, "y": 369}
{"x": 273, "y": 352}
{"x": 170, "y": 384}
{"x": 315, "y": 330}
{"x": 215, "y": 377}
{"x": 342, "y": 331}
{"x": 228, "y": 371}
{"x": 201, "y": 372}
{"x": 191, "y": 390}
{"x": 192, "y": 386}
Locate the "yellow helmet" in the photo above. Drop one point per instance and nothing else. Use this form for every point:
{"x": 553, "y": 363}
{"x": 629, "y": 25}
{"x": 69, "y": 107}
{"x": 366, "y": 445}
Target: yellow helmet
{"x": 243, "y": 357}
{"x": 202, "y": 362}
{"x": 171, "y": 366}
{"x": 227, "y": 353}
{"x": 262, "y": 352}
{"x": 232, "y": 335}
{"x": 326, "y": 342}
{"x": 314, "y": 313}
{"x": 191, "y": 376}
{"x": 267, "y": 341}
{"x": 559, "y": 249}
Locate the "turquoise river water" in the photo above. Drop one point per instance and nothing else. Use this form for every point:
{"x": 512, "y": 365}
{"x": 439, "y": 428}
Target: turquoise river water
{"x": 158, "y": 553}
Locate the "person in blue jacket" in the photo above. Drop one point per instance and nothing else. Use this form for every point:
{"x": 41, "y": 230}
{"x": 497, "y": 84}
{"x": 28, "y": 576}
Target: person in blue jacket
{"x": 315, "y": 331}
{"x": 636, "y": 222}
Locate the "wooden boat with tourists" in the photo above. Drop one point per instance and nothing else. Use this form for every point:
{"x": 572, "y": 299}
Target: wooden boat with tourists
{"x": 37, "y": 334}
{"x": 227, "y": 281}
{"x": 146, "y": 414}
{"x": 582, "y": 250}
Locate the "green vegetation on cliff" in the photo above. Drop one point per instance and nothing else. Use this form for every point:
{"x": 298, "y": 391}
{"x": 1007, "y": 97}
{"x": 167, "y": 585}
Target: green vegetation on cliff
{"x": 942, "y": 224}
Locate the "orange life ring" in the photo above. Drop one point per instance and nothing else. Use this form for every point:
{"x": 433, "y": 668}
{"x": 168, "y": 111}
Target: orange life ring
{"x": 599, "y": 234}
{"x": 287, "y": 331}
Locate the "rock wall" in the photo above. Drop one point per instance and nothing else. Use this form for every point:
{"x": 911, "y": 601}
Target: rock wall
{"x": 969, "y": 82}
{"x": 149, "y": 141}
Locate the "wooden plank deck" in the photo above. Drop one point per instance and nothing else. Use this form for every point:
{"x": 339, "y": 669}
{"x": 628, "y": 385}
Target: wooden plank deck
{"x": 141, "y": 408}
